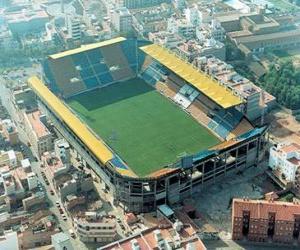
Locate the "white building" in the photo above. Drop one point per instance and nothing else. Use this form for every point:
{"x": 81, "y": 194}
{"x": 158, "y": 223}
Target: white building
{"x": 74, "y": 27}
{"x": 181, "y": 27}
{"x": 62, "y": 151}
{"x": 193, "y": 15}
{"x": 40, "y": 136}
{"x": 9, "y": 241}
{"x": 166, "y": 39}
{"x": 122, "y": 20}
{"x": 179, "y": 4}
{"x": 94, "y": 228}
{"x": 285, "y": 161}
{"x": 10, "y": 158}
{"x": 32, "y": 179}
{"x": 217, "y": 31}
{"x": 61, "y": 241}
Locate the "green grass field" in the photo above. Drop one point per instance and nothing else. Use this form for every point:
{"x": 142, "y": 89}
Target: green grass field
{"x": 144, "y": 128}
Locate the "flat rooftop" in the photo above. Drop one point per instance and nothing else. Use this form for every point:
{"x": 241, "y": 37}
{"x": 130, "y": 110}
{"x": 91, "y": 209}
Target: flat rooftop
{"x": 143, "y": 127}
{"x": 38, "y": 127}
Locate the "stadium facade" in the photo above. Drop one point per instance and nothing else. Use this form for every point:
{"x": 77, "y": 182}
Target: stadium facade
{"x": 174, "y": 83}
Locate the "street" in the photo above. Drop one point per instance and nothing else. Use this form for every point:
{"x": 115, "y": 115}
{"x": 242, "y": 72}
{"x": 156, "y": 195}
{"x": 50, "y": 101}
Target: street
{"x": 27, "y": 152}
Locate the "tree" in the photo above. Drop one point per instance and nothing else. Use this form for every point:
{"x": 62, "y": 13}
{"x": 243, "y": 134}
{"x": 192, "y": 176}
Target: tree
{"x": 283, "y": 81}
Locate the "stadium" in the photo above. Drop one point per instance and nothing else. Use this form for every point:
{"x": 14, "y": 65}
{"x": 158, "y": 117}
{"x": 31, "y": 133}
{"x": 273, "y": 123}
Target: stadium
{"x": 153, "y": 127}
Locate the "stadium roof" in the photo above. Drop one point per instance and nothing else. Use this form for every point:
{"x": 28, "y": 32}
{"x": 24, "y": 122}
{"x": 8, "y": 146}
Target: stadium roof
{"x": 211, "y": 88}
{"x": 99, "y": 149}
{"x": 87, "y": 47}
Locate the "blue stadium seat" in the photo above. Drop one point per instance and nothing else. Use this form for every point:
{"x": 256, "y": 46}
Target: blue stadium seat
{"x": 49, "y": 75}
{"x": 118, "y": 163}
{"x": 212, "y": 125}
{"x": 129, "y": 49}
{"x": 91, "y": 82}
{"x": 86, "y": 73}
{"x": 94, "y": 56}
{"x": 221, "y": 131}
{"x": 105, "y": 78}
{"x": 150, "y": 76}
{"x": 100, "y": 68}
{"x": 80, "y": 60}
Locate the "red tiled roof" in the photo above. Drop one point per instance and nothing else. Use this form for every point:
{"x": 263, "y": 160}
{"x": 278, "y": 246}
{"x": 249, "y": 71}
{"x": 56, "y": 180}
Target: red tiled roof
{"x": 259, "y": 209}
{"x": 147, "y": 241}
{"x": 290, "y": 148}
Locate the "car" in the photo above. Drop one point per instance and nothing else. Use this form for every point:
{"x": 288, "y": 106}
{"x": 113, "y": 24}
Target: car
{"x": 71, "y": 232}
{"x": 64, "y": 217}
{"x": 51, "y": 192}
{"x": 60, "y": 210}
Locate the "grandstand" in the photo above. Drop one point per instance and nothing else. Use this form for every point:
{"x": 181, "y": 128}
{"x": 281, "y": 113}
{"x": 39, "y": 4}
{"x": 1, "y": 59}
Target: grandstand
{"x": 151, "y": 126}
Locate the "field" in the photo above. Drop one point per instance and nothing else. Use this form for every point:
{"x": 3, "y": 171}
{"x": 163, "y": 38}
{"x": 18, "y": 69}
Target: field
{"x": 144, "y": 128}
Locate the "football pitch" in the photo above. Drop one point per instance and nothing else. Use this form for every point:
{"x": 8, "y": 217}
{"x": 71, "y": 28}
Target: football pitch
{"x": 143, "y": 127}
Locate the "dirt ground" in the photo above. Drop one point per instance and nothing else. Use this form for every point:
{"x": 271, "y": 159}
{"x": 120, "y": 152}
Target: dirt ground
{"x": 284, "y": 127}
{"x": 216, "y": 209}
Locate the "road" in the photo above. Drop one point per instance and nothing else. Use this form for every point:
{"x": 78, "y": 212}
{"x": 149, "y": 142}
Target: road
{"x": 5, "y": 95}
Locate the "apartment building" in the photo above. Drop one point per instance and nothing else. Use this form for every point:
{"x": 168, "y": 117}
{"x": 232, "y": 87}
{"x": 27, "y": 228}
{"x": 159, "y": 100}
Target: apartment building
{"x": 166, "y": 39}
{"x": 15, "y": 183}
{"x": 253, "y": 33}
{"x": 122, "y": 20}
{"x": 10, "y": 158}
{"x": 37, "y": 233}
{"x": 9, "y": 132}
{"x": 91, "y": 227}
{"x": 135, "y": 4}
{"x": 61, "y": 241}
{"x": 74, "y": 27}
{"x": 163, "y": 237}
{"x": 9, "y": 240}
{"x": 207, "y": 47}
{"x": 182, "y": 27}
{"x": 151, "y": 20}
{"x": 257, "y": 101}
{"x": 284, "y": 162}
{"x": 26, "y": 20}
{"x": 265, "y": 220}
{"x": 40, "y": 137}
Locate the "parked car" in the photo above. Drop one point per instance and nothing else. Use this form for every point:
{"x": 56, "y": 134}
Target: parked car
{"x": 71, "y": 232}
